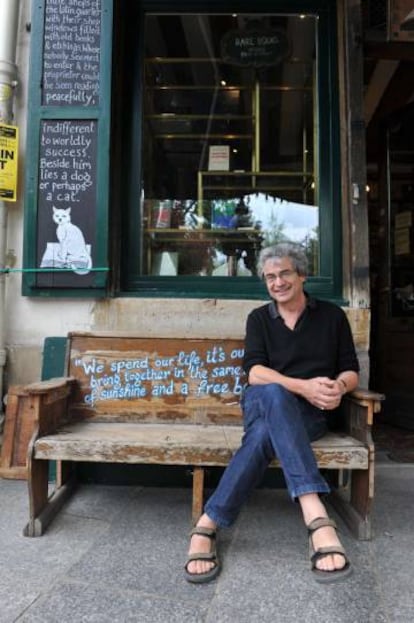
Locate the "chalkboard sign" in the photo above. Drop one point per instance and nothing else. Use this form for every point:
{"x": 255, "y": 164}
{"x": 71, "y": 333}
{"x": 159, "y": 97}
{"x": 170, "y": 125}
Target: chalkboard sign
{"x": 68, "y": 134}
{"x": 71, "y": 53}
{"x": 66, "y": 223}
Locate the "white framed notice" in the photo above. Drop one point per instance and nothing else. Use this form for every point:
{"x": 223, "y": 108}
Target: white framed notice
{"x": 219, "y": 158}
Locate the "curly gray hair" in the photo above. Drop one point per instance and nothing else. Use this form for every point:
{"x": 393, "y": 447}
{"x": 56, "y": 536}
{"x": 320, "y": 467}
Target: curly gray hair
{"x": 292, "y": 251}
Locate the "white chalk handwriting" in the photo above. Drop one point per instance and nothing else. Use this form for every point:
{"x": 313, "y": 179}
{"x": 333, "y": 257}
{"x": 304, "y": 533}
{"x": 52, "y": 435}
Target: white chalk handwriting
{"x": 194, "y": 374}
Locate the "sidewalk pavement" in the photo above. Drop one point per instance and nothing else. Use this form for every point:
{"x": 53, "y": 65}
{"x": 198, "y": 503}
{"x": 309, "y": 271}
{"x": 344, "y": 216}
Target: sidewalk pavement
{"x": 116, "y": 554}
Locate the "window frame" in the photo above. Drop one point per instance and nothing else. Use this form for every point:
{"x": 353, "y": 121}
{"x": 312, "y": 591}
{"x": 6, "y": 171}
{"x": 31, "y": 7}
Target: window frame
{"x": 328, "y": 284}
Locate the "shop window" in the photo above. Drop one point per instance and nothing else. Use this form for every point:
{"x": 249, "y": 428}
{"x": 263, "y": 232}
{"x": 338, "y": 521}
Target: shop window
{"x": 228, "y": 142}
{"x": 237, "y": 145}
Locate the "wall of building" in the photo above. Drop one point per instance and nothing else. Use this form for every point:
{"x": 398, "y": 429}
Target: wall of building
{"x": 30, "y": 320}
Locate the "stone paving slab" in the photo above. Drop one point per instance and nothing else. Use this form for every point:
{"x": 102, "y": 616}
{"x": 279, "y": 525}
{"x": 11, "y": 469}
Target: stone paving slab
{"x": 277, "y": 570}
{"x": 70, "y": 603}
{"x": 117, "y": 554}
{"x": 16, "y": 593}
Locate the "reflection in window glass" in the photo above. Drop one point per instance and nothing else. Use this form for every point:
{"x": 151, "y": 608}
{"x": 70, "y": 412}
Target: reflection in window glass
{"x": 229, "y": 141}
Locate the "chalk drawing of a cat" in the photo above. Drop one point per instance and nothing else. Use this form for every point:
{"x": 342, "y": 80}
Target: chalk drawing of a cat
{"x": 72, "y": 246}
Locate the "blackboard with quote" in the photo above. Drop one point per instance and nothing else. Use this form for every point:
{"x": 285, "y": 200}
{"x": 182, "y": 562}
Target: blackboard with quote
{"x": 71, "y": 53}
{"x": 71, "y": 178}
{"x": 66, "y": 220}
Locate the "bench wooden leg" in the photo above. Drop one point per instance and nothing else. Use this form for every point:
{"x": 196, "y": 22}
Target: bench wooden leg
{"x": 38, "y": 493}
{"x": 198, "y": 493}
{"x": 42, "y": 508}
{"x": 65, "y": 472}
{"x": 361, "y": 500}
{"x": 355, "y": 507}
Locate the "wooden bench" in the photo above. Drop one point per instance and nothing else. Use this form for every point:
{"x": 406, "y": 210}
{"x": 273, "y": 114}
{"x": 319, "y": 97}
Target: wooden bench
{"x": 165, "y": 401}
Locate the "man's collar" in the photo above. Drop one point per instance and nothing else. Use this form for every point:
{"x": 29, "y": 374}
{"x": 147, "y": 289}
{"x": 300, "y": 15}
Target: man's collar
{"x": 274, "y": 312}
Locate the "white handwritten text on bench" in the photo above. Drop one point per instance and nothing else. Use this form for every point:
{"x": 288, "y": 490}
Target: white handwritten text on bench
{"x": 188, "y": 373}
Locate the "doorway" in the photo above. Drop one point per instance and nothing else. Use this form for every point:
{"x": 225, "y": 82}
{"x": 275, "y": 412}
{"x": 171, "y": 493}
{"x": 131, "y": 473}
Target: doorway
{"x": 391, "y": 217}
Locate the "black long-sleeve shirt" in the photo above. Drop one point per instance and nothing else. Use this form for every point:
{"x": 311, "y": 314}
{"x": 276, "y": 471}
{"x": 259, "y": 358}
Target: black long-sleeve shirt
{"x": 321, "y": 343}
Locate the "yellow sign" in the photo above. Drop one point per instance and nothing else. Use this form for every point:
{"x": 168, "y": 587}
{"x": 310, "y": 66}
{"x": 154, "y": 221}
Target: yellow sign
{"x": 9, "y": 136}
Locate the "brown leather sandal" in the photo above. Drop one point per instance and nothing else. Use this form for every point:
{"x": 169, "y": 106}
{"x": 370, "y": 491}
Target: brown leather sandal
{"x": 208, "y": 576}
{"x": 326, "y": 576}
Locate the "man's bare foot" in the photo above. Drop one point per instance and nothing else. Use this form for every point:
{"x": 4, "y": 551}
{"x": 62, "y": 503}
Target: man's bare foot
{"x": 201, "y": 545}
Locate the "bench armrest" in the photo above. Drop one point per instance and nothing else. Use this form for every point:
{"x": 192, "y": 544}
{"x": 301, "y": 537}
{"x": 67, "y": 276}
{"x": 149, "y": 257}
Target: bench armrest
{"x": 46, "y": 387}
{"x": 48, "y": 401}
{"x": 360, "y": 406}
{"x": 360, "y": 393}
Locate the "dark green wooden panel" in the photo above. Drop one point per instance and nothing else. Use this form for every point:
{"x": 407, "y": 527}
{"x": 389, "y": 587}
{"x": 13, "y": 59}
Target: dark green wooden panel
{"x": 53, "y": 364}
{"x": 54, "y": 354}
{"x": 69, "y": 92}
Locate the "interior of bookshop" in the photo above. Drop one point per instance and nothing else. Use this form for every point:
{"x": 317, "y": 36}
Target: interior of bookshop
{"x": 230, "y": 136}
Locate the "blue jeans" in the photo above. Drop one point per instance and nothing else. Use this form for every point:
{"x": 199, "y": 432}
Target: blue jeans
{"x": 276, "y": 423}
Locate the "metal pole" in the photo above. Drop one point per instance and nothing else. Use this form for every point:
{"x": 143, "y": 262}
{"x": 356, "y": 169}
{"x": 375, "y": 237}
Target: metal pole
{"x": 9, "y": 18}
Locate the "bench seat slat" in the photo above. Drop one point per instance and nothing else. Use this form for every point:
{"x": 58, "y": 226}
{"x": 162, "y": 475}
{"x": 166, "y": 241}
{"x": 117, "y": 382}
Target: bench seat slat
{"x": 181, "y": 444}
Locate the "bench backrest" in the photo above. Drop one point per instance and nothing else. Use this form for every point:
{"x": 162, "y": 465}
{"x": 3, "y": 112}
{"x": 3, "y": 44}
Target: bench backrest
{"x": 129, "y": 378}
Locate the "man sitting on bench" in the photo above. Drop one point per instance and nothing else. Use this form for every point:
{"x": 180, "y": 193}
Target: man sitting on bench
{"x": 300, "y": 360}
